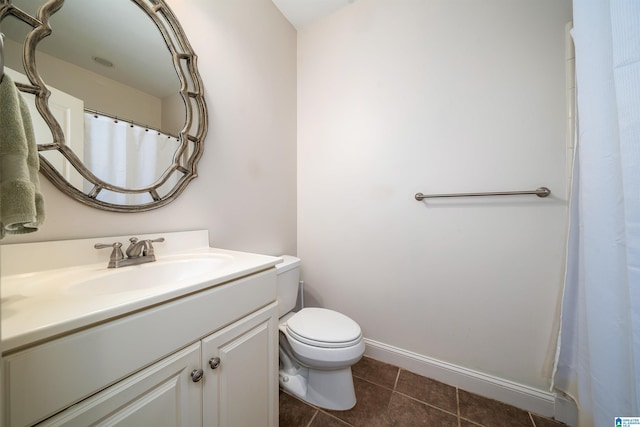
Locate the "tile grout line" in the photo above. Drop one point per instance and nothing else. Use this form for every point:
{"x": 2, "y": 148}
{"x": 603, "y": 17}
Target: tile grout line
{"x": 458, "y": 406}
{"x": 373, "y": 383}
{"x": 457, "y": 415}
{"x": 393, "y": 390}
{"x": 312, "y": 418}
{"x": 395, "y": 383}
{"x": 336, "y": 418}
{"x": 460, "y": 417}
{"x": 426, "y": 403}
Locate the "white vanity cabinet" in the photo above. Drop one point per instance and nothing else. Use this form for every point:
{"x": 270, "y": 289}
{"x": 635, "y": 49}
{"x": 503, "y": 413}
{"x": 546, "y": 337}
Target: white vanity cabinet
{"x": 161, "y": 395}
{"x": 209, "y": 358}
{"x": 241, "y": 373}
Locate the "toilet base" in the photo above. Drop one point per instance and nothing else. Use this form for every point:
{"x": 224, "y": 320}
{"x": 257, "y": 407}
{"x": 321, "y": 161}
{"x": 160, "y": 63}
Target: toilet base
{"x": 327, "y": 389}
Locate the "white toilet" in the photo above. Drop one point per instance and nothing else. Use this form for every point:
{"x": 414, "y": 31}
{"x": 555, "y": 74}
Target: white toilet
{"x": 317, "y": 346}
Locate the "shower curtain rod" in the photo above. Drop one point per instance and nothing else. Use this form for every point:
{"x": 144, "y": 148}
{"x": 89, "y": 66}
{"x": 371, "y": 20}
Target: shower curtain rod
{"x": 131, "y": 122}
{"x": 540, "y": 192}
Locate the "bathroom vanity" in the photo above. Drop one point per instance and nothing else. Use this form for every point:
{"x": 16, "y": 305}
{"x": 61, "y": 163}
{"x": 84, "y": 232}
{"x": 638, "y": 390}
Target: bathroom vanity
{"x": 201, "y": 350}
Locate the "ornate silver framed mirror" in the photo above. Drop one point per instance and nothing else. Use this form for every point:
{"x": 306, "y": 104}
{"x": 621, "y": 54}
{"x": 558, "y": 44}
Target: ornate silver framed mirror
{"x": 121, "y": 116}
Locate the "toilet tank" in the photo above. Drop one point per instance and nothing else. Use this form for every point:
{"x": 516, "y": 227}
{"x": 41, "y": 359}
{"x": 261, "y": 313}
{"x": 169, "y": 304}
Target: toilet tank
{"x": 288, "y": 277}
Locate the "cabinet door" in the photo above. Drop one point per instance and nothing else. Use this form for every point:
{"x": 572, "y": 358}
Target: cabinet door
{"x": 163, "y": 394}
{"x": 242, "y": 391}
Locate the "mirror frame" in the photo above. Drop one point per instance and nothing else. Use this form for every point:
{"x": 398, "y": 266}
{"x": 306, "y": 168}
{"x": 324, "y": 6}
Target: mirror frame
{"x": 191, "y": 90}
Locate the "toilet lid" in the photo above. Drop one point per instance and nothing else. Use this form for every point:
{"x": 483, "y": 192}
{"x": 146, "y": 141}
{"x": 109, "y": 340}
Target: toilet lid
{"x": 323, "y": 328}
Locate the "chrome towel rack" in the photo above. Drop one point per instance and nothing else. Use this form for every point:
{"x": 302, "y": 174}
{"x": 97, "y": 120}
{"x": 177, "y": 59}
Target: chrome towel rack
{"x": 540, "y": 192}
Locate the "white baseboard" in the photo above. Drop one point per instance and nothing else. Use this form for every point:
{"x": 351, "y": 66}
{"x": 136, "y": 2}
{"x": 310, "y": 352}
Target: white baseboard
{"x": 528, "y": 398}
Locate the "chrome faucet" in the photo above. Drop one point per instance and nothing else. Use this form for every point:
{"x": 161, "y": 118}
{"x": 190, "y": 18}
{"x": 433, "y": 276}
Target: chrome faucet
{"x": 138, "y": 248}
{"x": 138, "y": 252}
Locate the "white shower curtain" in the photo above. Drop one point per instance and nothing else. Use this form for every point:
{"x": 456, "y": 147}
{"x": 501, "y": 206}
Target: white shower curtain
{"x": 598, "y": 359}
{"x": 126, "y": 155}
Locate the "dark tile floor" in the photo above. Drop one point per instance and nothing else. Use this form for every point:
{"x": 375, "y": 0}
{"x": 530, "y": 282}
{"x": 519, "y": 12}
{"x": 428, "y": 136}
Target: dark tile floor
{"x": 391, "y": 396}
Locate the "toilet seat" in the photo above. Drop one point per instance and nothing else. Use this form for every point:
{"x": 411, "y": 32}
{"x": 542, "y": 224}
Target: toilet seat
{"x": 320, "y": 327}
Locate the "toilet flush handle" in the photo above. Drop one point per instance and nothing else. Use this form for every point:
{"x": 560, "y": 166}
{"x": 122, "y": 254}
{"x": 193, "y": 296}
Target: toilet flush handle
{"x": 214, "y": 362}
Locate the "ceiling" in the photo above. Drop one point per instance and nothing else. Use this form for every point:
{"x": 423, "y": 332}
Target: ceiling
{"x": 303, "y": 12}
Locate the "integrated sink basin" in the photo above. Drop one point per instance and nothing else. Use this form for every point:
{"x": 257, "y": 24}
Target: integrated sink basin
{"x": 171, "y": 271}
{"x": 161, "y": 273}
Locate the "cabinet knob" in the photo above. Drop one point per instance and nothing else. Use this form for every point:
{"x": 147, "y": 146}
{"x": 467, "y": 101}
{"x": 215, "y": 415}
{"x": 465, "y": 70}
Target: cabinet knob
{"x": 196, "y": 375}
{"x": 214, "y": 362}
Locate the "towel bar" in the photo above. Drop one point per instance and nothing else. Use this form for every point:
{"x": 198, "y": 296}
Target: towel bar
{"x": 540, "y": 192}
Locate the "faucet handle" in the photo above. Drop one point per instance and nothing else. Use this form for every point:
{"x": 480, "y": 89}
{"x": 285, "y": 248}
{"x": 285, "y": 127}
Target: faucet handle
{"x": 134, "y": 240}
{"x": 150, "y": 250}
{"x": 116, "y": 253}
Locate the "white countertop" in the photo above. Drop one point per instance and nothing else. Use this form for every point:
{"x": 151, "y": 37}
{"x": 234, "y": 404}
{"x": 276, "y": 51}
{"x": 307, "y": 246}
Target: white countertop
{"x": 33, "y": 313}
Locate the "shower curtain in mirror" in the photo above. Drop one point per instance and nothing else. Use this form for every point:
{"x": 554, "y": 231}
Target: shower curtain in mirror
{"x": 598, "y": 358}
{"x": 126, "y": 155}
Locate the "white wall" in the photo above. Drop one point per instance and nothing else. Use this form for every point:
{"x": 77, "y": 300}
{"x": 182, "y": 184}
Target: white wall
{"x": 437, "y": 96}
{"x": 393, "y": 98}
{"x": 245, "y": 194}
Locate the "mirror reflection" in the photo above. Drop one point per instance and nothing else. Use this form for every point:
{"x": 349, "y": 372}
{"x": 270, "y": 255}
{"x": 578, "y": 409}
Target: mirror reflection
{"x": 118, "y": 98}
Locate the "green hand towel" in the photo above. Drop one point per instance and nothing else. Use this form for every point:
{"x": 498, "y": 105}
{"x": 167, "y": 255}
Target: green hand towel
{"x": 21, "y": 204}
